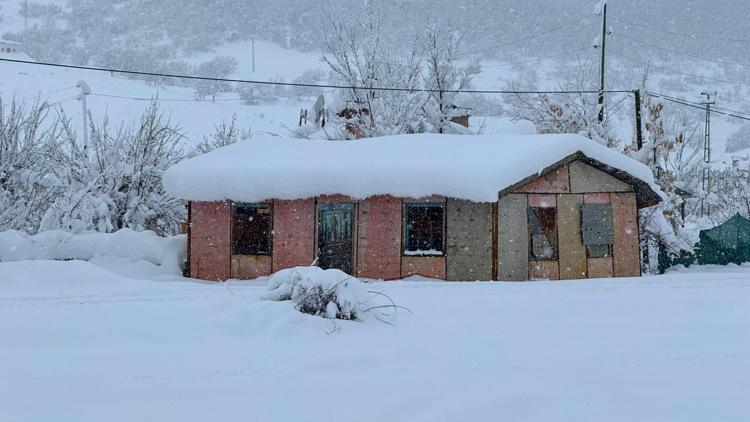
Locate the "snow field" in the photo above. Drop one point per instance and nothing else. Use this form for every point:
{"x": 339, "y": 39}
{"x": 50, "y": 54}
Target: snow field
{"x": 81, "y": 343}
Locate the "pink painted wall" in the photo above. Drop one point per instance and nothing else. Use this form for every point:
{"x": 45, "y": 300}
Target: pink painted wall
{"x": 596, "y": 198}
{"x": 542, "y": 200}
{"x": 627, "y": 260}
{"x": 427, "y": 266}
{"x": 249, "y": 267}
{"x": 379, "y": 243}
{"x": 544, "y": 270}
{"x": 210, "y": 240}
{"x": 557, "y": 181}
{"x": 293, "y": 233}
{"x": 600, "y": 267}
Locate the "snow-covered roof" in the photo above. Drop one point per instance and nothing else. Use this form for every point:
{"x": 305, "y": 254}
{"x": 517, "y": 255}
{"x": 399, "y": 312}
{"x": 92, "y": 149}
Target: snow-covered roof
{"x": 475, "y": 168}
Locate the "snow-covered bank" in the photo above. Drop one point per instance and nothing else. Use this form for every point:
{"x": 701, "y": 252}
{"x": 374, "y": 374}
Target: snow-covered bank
{"x": 80, "y": 343}
{"x": 166, "y": 252}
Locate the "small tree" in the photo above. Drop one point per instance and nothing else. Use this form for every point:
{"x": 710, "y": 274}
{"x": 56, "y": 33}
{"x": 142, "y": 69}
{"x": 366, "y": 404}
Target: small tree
{"x": 219, "y": 67}
{"x": 224, "y": 134}
{"x": 444, "y": 74}
{"x": 560, "y": 113}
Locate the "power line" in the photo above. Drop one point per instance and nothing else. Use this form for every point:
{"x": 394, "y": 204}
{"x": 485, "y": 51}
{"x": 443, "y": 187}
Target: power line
{"x": 529, "y": 37}
{"x": 198, "y": 100}
{"x": 295, "y": 84}
{"x": 698, "y": 106}
{"x": 672, "y": 70}
{"x": 683, "y": 34}
{"x": 680, "y": 52}
{"x": 47, "y": 94}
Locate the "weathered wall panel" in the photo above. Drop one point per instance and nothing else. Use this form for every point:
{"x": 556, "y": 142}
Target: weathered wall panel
{"x": 584, "y": 178}
{"x": 541, "y": 200}
{"x": 512, "y": 238}
{"x": 556, "y": 181}
{"x": 627, "y": 262}
{"x": 427, "y": 266}
{"x": 469, "y": 240}
{"x": 600, "y": 267}
{"x": 293, "y": 233}
{"x": 210, "y": 240}
{"x": 379, "y": 245}
{"x": 248, "y": 267}
{"x": 572, "y": 252}
{"x": 596, "y": 198}
{"x": 544, "y": 270}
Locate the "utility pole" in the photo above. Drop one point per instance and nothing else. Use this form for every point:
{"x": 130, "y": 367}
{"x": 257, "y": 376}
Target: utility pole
{"x": 25, "y": 16}
{"x": 253, "y": 47}
{"x": 85, "y": 90}
{"x": 707, "y": 151}
{"x": 601, "y": 65}
{"x": 638, "y": 124}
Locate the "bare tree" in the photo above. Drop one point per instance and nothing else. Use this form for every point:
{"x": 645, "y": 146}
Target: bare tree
{"x": 444, "y": 74}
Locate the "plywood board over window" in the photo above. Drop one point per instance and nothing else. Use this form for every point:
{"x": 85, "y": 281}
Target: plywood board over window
{"x": 572, "y": 253}
{"x": 512, "y": 238}
{"x": 469, "y": 240}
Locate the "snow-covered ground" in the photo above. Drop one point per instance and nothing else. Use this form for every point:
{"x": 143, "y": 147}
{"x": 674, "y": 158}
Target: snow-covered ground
{"x": 80, "y": 343}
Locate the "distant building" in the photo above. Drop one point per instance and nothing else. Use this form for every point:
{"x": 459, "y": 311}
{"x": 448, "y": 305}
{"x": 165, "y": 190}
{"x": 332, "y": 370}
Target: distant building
{"x": 12, "y": 47}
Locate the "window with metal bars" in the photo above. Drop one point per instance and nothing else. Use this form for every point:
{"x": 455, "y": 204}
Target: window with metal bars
{"x": 424, "y": 226}
{"x": 251, "y": 229}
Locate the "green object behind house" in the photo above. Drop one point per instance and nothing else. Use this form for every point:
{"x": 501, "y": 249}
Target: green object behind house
{"x": 725, "y": 244}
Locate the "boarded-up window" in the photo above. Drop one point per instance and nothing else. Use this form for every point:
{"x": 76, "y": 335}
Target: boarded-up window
{"x": 251, "y": 229}
{"x": 424, "y": 228}
{"x": 542, "y": 233}
{"x": 597, "y": 229}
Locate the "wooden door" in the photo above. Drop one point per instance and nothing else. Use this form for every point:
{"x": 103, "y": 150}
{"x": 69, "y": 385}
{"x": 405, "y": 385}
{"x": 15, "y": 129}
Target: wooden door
{"x": 336, "y": 236}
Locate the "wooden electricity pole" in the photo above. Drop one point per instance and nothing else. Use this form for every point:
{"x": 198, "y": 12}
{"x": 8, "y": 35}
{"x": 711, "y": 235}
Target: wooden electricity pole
{"x": 601, "y": 66}
{"x": 638, "y": 124}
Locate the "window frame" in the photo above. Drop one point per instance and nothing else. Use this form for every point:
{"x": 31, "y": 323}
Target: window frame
{"x": 405, "y": 229}
{"x": 256, "y": 205}
{"x": 530, "y": 235}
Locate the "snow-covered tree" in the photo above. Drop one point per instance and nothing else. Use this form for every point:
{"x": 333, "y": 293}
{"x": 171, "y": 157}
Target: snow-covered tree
{"x": 224, "y": 134}
{"x": 560, "y": 113}
{"x": 218, "y": 67}
{"x": 358, "y": 57}
{"x": 444, "y": 74}
{"x": 28, "y": 144}
{"x": 117, "y": 182}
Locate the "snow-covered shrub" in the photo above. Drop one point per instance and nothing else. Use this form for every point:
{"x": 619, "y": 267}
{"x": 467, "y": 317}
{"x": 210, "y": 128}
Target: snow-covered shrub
{"x": 328, "y": 293}
{"x": 116, "y": 182}
{"x": 224, "y": 134}
{"x": 28, "y": 144}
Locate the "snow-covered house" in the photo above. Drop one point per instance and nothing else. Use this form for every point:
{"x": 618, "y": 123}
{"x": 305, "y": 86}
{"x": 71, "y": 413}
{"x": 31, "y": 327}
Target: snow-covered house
{"x": 444, "y": 206}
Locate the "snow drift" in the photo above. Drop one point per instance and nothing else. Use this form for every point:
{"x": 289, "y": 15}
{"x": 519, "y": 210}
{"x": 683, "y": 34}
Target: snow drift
{"x": 167, "y": 252}
{"x": 475, "y": 168}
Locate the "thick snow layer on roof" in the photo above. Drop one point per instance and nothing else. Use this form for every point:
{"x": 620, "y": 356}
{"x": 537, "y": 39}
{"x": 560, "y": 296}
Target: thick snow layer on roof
{"x": 466, "y": 167}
